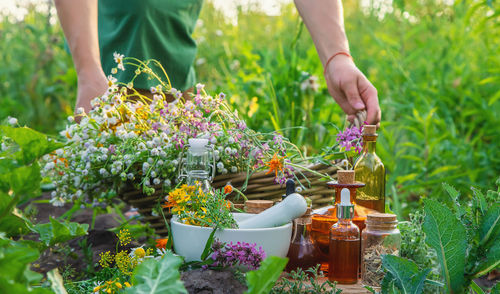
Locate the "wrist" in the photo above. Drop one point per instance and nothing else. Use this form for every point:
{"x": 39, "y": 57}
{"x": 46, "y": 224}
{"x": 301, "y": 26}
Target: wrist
{"x": 337, "y": 55}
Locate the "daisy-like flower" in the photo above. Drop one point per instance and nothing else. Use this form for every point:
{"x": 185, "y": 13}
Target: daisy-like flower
{"x": 119, "y": 60}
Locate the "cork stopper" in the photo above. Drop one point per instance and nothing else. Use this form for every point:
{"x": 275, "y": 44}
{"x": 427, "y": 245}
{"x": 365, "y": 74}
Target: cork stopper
{"x": 257, "y": 206}
{"x": 370, "y": 130}
{"x": 381, "y": 217}
{"x": 345, "y": 176}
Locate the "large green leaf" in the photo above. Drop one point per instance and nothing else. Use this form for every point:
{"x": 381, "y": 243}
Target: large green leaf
{"x": 32, "y": 143}
{"x": 25, "y": 182}
{"x": 446, "y": 234}
{"x": 57, "y": 232}
{"x": 262, "y": 280}
{"x": 158, "y": 276}
{"x": 405, "y": 274}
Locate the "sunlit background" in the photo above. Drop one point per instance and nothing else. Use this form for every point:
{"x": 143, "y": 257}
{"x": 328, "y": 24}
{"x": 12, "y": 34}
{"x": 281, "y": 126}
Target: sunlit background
{"x": 435, "y": 64}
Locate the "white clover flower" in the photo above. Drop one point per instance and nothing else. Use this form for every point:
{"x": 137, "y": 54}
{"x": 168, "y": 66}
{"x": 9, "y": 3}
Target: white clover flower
{"x": 168, "y": 183}
{"x": 175, "y": 162}
{"x": 228, "y": 150}
{"x": 130, "y": 176}
{"x": 224, "y": 171}
{"x": 145, "y": 165}
{"x": 230, "y": 140}
{"x": 234, "y": 169}
{"x": 149, "y": 144}
{"x": 78, "y": 193}
{"x": 12, "y": 121}
{"x": 150, "y": 160}
{"x": 85, "y": 172}
{"x": 57, "y": 201}
{"x": 160, "y": 162}
{"x": 155, "y": 152}
{"x": 153, "y": 174}
{"x": 220, "y": 165}
{"x": 71, "y": 119}
{"x": 103, "y": 171}
{"x": 156, "y": 181}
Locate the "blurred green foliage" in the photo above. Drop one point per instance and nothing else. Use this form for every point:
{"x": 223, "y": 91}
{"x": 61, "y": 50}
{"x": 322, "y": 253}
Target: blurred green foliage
{"x": 436, "y": 67}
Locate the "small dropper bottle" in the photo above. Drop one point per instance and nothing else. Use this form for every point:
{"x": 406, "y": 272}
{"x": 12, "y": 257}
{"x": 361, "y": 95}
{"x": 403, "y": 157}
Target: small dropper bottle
{"x": 344, "y": 243}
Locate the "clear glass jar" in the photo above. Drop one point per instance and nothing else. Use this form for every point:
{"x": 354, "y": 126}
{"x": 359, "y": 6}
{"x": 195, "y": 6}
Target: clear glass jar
{"x": 381, "y": 236}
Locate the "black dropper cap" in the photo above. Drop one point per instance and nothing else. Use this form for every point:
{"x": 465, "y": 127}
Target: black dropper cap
{"x": 290, "y": 188}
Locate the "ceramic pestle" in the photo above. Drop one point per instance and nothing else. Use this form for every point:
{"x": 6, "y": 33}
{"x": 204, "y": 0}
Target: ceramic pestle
{"x": 292, "y": 207}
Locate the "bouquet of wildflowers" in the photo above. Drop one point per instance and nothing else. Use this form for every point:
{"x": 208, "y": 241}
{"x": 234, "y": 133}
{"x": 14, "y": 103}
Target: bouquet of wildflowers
{"x": 131, "y": 138}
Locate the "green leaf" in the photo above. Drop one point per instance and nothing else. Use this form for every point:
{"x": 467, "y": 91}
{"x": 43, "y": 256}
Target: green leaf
{"x": 454, "y": 194}
{"x": 405, "y": 274}
{"x": 476, "y": 288}
{"x": 446, "y": 234}
{"x": 490, "y": 226}
{"x": 158, "y": 276}
{"x": 262, "y": 280}
{"x": 56, "y": 280}
{"x": 208, "y": 245}
{"x": 13, "y": 225}
{"x": 32, "y": 143}
{"x": 491, "y": 262}
{"x": 57, "y": 232}
{"x": 25, "y": 182}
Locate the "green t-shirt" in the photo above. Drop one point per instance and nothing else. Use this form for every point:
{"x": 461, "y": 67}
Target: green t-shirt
{"x": 150, "y": 29}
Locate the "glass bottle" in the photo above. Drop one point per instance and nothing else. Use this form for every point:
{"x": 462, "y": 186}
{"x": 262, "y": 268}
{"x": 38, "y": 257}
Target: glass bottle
{"x": 197, "y": 166}
{"x": 371, "y": 171}
{"x": 343, "y": 265}
{"x": 323, "y": 218}
{"x": 381, "y": 236}
{"x": 303, "y": 251}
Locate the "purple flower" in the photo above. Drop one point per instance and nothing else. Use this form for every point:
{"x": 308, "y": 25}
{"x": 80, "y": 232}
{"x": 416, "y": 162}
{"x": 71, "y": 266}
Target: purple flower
{"x": 241, "y": 253}
{"x": 351, "y": 137}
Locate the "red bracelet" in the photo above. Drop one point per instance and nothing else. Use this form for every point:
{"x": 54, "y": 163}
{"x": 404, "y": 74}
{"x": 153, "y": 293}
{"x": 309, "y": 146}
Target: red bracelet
{"x": 333, "y": 56}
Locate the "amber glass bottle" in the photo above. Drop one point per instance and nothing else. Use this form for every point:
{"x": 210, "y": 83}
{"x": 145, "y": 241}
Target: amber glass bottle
{"x": 343, "y": 265}
{"x": 370, "y": 170}
{"x": 303, "y": 252}
{"x": 323, "y": 218}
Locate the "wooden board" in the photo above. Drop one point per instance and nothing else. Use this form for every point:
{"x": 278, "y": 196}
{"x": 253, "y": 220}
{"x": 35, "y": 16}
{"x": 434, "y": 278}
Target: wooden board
{"x": 347, "y": 289}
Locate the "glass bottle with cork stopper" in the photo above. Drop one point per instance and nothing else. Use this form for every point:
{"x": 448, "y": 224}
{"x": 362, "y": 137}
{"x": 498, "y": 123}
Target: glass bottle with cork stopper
{"x": 303, "y": 251}
{"x": 343, "y": 266}
{"x": 381, "y": 236}
{"x": 323, "y": 218}
{"x": 371, "y": 171}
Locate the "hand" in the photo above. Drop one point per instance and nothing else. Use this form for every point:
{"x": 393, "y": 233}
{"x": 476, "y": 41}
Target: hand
{"x": 91, "y": 84}
{"x": 352, "y": 90}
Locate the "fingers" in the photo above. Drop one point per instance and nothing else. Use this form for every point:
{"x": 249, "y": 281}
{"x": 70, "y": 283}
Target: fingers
{"x": 369, "y": 96}
{"x": 351, "y": 92}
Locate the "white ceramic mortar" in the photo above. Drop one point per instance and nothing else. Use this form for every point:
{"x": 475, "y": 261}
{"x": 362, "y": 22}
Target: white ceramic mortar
{"x": 189, "y": 241}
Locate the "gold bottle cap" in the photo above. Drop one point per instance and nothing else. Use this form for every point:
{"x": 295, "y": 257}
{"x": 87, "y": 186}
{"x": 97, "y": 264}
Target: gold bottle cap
{"x": 370, "y": 130}
{"x": 345, "y": 176}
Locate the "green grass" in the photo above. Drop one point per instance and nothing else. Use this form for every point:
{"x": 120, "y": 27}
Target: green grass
{"x": 436, "y": 68}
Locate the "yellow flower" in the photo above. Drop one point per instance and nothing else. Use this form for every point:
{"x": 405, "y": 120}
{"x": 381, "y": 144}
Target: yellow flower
{"x": 118, "y": 285}
{"x": 106, "y": 258}
{"x": 127, "y": 284}
{"x": 97, "y": 288}
{"x": 140, "y": 252}
{"x": 124, "y": 237}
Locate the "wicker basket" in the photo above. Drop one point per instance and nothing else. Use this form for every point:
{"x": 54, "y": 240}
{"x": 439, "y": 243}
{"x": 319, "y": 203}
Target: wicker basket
{"x": 259, "y": 186}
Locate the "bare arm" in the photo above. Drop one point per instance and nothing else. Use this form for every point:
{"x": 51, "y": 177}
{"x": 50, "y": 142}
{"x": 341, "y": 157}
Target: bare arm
{"x": 346, "y": 83}
{"x": 79, "y": 22}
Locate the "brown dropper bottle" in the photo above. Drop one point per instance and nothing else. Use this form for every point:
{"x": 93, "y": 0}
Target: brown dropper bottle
{"x": 344, "y": 242}
{"x": 323, "y": 218}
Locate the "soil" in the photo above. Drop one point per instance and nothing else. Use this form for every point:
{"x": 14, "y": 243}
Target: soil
{"x": 70, "y": 257}
{"x": 212, "y": 282}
